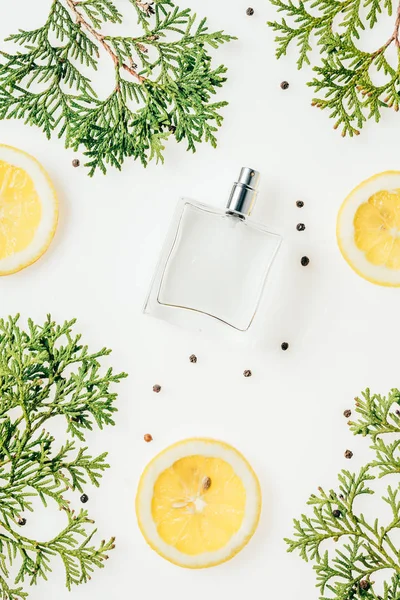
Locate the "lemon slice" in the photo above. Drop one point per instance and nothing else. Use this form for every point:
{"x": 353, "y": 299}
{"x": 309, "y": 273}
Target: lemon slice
{"x": 368, "y": 229}
{"x": 198, "y": 503}
{"x": 28, "y": 210}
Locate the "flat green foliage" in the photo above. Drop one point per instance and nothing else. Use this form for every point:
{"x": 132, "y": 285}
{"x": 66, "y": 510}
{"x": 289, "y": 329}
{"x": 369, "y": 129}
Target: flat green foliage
{"x": 364, "y": 548}
{"x": 46, "y": 372}
{"x": 163, "y": 85}
{"x": 345, "y": 78}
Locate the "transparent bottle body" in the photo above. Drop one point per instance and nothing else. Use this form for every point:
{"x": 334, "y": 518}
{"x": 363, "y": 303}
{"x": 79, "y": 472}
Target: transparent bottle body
{"x": 214, "y": 264}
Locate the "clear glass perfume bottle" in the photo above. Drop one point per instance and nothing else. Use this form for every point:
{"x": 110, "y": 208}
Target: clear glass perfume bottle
{"x": 215, "y": 262}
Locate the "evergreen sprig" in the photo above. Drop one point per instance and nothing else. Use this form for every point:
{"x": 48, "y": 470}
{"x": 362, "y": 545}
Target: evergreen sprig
{"x": 363, "y": 548}
{"x": 46, "y": 372}
{"x": 164, "y": 80}
{"x": 345, "y": 80}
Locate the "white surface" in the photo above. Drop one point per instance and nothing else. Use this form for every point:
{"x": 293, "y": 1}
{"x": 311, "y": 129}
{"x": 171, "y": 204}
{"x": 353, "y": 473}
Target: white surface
{"x": 287, "y": 418}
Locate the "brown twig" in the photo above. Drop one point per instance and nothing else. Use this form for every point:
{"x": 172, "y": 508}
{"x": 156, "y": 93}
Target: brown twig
{"x": 393, "y": 38}
{"x": 397, "y": 27}
{"x": 100, "y": 38}
{"x": 146, "y": 7}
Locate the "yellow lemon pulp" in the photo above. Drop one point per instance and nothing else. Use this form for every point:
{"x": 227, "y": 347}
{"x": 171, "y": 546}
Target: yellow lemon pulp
{"x": 198, "y": 504}
{"x": 377, "y": 228}
{"x": 28, "y": 210}
{"x": 368, "y": 229}
{"x": 20, "y": 209}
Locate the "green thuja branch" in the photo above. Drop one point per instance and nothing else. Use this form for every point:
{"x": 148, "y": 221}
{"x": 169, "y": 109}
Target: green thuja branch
{"x": 46, "y": 372}
{"x": 164, "y": 80}
{"x": 360, "y": 548}
{"x": 345, "y": 79}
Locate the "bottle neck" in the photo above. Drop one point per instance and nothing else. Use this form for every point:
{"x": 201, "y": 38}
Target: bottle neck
{"x": 241, "y": 200}
{"x": 236, "y": 215}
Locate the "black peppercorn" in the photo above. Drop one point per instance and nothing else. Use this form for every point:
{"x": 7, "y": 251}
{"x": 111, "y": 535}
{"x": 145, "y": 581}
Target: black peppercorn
{"x": 336, "y": 513}
{"x": 76, "y": 163}
{"x": 341, "y": 496}
{"x": 305, "y": 261}
{"x": 172, "y": 128}
{"x": 347, "y": 413}
{"x": 299, "y": 203}
{"x": 247, "y": 373}
{"x": 84, "y": 498}
{"x": 193, "y": 358}
{"x": 284, "y": 345}
{"x": 300, "y": 227}
{"x": 284, "y": 85}
{"x": 364, "y": 584}
{"x": 156, "y": 388}
{"x": 348, "y": 454}
{"x": 22, "y": 521}
{"x": 398, "y": 412}
{"x": 250, "y": 11}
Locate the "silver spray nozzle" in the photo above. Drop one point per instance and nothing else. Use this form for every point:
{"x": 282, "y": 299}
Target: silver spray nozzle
{"x": 244, "y": 192}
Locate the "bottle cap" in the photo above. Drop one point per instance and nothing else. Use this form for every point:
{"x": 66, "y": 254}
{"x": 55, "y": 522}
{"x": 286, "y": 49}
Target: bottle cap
{"x": 244, "y": 193}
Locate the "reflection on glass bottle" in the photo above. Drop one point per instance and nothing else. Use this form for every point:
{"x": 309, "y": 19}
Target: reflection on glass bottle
{"x": 215, "y": 262}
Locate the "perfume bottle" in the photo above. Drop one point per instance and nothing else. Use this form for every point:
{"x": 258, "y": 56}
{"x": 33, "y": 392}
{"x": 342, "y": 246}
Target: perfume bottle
{"x": 215, "y": 262}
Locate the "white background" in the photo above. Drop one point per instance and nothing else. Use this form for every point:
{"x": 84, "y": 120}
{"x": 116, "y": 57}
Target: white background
{"x": 287, "y": 418}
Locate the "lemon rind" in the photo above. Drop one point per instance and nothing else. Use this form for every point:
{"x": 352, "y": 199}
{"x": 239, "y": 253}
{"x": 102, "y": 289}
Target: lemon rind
{"x": 349, "y": 261}
{"x": 53, "y": 200}
{"x": 245, "y": 540}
